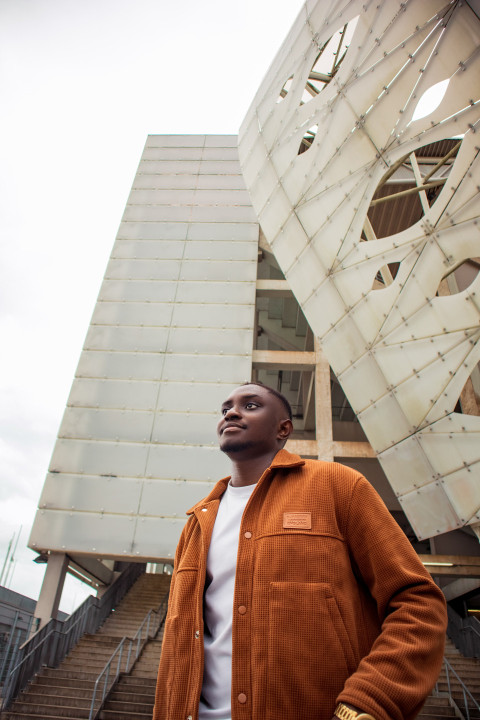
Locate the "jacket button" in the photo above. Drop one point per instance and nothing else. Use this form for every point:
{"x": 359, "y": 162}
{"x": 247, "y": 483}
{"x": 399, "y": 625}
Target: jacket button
{"x": 242, "y": 698}
{"x": 197, "y": 634}
{"x": 189, "y": 717}
{"x": 248, "y": 535}
{"x": 242, "y": 610}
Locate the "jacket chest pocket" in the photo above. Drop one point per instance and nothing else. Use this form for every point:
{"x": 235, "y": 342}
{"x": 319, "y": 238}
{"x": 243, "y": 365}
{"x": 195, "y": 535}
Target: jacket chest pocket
{"x": 309, "y": 652}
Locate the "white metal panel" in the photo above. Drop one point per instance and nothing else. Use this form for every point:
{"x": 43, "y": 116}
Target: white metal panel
{"x": 147, "y": 339}
{"x": 117, "y": 495}
{"x": 164, "y": 498}
{"x": 133, "y": 394}
{"x": 167, "y": 196}
{"x": 185, "y": 428}
{"x": 230, "y": 182}
{"x": 207, "y": 368}
{"x": 153, "y": 230}
{"x": 190, "y": 153}
{"x": 221, "y": 141}
{"x": 243, "y": 232}
{"x": 209, "y": 341}
{"x": 133, "y": 269}
{"x": 210, "y": 316}
{"x": 192, "y": 196}
{"x": 215, "y": 270}
{"x": 156, "y": 538}
{"x": 192, "y": 397}
{"x": 178, "y": 141}
{"x": 120, "y": 365}
{"x": 186, "y": 462}
{"x": 171, "y": 336}
{"x": 165, "y": 181}
{"x": 233, "y": 293}
{"x": 92, "y": 457}
{"x": 88, "y": 533}
{"x": 126, "y": 290}
{"x": 402, "y": 353}
{"x": 221, "y": 250}
{"x": 149, "y": 249}
{"x": 172, "y": 153}
{"x": 106, "y": 424}
{"x": 181, "y": 167}
{"x": 137, "y": 313}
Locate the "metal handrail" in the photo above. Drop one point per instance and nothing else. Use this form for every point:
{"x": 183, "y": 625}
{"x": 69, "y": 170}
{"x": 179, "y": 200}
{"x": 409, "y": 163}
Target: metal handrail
{"x": 465, "y": 633}
{"x": 465, "y": 691}
{"x": 119, "y": 650}
{"x": 49, "y": 645}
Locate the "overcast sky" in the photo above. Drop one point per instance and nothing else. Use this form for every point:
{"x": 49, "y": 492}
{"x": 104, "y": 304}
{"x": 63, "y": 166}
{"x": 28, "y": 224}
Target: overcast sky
{"x": 82, "y": 83}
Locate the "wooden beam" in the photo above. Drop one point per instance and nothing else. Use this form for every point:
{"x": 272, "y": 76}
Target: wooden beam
{"x": 273, "y": 288}
{"x": 452, "y": 565}
{"x": 283, "y": 359}
{"x": 337, "y": 448}
{"x": 302, "y": 447}
{"x": 351, "y": 449}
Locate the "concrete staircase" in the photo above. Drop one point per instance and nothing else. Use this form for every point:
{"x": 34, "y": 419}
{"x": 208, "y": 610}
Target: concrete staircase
{"x": 134, "y": 695}
{"x": 468, "y": 669}
{"x": 66, "y": 691}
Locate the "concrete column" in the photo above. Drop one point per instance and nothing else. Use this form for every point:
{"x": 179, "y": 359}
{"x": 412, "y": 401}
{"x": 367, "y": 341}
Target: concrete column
{"x": 323, "y": 405}
{"x": 51, "y": 591}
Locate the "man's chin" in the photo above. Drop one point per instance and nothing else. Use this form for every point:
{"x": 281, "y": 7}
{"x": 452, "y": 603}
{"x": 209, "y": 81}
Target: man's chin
{"x": 232, "y": 447}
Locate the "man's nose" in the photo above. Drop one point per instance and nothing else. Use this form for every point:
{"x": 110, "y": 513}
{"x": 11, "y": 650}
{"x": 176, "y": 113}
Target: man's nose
{"x": 232, "y": 412}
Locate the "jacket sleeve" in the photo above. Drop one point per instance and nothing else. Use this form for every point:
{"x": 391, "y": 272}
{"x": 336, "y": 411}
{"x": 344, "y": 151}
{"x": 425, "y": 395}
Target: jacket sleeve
{"x": 393, "y": 680}
{"x": 167, "y": 657}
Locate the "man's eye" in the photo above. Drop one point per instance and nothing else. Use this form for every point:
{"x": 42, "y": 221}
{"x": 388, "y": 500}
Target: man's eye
{"x": 251, "y": 405}
{"x": 224, "y": 411}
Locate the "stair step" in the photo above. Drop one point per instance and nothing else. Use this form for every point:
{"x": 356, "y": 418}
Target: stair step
{"x": 131, "y": 707}
{"x": 44, "y": 681}
{"x": 137, "y": 682}
{"x": 40, "y": 691}
{"x": 62, "y": 672}
{"x": 11, "y": 715}
{"x": 116, "y": 715}
{"x": 80, "y": 702}
{"x": 146, "y": 697}
{"x": 48, "y": 711}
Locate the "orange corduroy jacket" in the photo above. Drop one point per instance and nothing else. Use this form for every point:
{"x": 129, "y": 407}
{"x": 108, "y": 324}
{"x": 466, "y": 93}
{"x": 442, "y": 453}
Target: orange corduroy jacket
{"x": 335, "y": 604}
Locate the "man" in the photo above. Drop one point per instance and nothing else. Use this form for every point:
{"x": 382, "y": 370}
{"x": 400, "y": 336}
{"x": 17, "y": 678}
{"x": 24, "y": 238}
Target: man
{"x": 295, "y": 595}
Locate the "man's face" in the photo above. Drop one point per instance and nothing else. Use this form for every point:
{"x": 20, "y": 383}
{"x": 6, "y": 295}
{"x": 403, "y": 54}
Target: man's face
{"x": 253, "y": 422}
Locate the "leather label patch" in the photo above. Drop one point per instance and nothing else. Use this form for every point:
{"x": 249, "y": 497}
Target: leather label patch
{"x": 298, "y": 520}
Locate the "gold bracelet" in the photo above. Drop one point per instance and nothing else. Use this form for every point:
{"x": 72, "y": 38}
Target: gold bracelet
{"x": 343, "y": 712}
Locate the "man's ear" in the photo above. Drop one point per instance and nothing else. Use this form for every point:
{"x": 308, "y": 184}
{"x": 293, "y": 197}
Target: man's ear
{"x": 285, "y": 429}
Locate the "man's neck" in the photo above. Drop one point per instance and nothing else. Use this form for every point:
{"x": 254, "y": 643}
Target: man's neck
{"x": 249, "y": 472}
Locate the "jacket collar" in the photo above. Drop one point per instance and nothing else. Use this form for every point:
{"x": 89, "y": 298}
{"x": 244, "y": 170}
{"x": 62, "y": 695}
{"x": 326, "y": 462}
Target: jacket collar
{"x": 283, "y": 459}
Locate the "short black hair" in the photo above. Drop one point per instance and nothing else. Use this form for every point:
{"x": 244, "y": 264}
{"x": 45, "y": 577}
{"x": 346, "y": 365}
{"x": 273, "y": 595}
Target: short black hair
{"x": 277, "y": 394}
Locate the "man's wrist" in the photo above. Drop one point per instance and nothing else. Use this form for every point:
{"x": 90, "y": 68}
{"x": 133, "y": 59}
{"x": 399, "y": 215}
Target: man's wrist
{"x": 343, "y": 712}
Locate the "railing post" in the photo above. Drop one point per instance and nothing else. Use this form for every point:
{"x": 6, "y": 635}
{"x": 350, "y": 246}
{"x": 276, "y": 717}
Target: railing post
{"x": 128, "y": 656}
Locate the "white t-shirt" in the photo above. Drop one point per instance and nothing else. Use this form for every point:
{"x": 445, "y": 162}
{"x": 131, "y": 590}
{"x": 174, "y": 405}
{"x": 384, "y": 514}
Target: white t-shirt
{"x": 215, "y": 702}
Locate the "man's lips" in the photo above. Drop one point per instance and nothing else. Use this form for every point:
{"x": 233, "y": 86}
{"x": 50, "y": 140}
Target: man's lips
{"x": 232, "y": 427}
